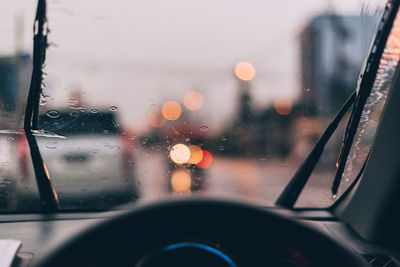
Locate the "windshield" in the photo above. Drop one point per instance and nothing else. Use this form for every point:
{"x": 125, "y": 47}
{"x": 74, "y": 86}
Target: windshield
{"x": 143, "y": 99}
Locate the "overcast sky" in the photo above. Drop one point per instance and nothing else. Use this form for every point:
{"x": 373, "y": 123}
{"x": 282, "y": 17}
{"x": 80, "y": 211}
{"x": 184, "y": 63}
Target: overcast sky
{"x": 138, "y": 54}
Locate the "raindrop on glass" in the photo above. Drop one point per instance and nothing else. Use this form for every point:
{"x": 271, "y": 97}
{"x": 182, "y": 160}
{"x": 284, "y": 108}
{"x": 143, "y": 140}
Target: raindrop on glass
{"x": 113, "y": 108}
{"x": 74, "y": 114}
{"x": 93, "y": 110}
{"x": 53, "y": 114}
{"x": 107, "y": 144}
{"x": 42, "y": 102}
{"x": 204, "y": 128}
{"x": 10, "y": 139}
{"x": 51, "y": 145}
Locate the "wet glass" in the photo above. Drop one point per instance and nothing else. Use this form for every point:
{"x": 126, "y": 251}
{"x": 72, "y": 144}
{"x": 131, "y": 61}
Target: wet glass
{"x": 153, "y": 98}
{"x": 374, "y": 105}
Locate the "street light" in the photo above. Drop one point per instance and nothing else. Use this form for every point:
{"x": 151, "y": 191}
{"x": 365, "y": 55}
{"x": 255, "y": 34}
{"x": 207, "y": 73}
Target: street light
{"x": 245, "y": 71}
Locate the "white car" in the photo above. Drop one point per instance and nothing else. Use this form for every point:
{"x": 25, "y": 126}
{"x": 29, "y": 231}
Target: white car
{"x": 87, "y": 155}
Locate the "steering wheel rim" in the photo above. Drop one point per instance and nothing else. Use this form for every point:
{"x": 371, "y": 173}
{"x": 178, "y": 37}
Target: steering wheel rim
{"x": 249, "y": 235}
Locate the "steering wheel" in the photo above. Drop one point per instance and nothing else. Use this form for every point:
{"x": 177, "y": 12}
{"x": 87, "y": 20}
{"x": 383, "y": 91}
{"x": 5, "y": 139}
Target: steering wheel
{"x": 202, "y": 232}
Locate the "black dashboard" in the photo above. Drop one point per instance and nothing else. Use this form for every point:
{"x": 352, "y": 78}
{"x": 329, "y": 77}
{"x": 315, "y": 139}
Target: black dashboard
{"x": 41, "y": 233}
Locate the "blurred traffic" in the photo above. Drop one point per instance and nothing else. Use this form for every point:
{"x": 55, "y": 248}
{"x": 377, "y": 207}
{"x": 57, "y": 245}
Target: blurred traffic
{"x": 210, "y": 130}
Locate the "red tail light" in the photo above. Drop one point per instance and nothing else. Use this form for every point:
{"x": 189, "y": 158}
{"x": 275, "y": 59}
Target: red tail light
{"x": 22, "y": 151}
{"x": 127, "y": 160}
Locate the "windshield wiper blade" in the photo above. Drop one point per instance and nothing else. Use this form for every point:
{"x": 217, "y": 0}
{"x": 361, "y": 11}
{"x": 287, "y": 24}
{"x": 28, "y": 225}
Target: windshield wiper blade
{"x": 293, "y": 189}
{"x": 48, "y": 195}
{"x": 370, "y": 70}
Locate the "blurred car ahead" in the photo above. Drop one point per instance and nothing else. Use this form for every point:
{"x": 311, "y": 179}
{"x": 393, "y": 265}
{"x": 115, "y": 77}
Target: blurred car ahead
{"x": 90, "y": 159}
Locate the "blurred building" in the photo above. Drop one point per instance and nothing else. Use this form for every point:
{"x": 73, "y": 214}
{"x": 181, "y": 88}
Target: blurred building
{"x": 15, "y": 73}
{"x": 333, "y": 49}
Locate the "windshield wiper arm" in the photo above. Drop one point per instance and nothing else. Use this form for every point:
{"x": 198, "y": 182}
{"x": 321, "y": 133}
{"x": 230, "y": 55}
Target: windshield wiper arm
{"x": 293, "y": 189}
{"x": 48, "y": 195}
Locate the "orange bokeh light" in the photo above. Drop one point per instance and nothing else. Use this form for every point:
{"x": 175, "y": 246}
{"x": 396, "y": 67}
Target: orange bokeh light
{"x": 171, "y": 110}
{"x": 196, "y": 154}
{"x": 206, "y": 161}
{"x": 156, "y": 119}
{"x": 193, "y": 100}
{"x": 181, "y": 181}
{"x": 245, "y": 71}
{"x": 283, "y": 106}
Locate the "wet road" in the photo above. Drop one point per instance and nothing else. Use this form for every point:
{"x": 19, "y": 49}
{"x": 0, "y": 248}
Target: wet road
{"x": 258, "y": 181}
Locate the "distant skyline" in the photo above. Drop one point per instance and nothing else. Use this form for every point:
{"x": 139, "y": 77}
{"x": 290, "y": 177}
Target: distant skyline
{"x": 138, "y": 54}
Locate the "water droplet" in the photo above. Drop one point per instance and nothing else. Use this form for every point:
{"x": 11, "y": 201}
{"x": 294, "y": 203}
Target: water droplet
{"x": 187, "y": 139}
{"x": 51, "y": 145}
{"x": 95, "y": 150}
{"x": 42, "y": 102}
{"x": 10, "y": 139}
{"x": 53, "y": 114}
{"x": 105, "y": 131}
{"x": 5, "y": 163}
{"x": 221, "y": 148}
{"x": 93, "y": 110}
{"x": 113, "y": 108}
{"x": 307, "y": 89}
{"x": 74, "y": 114}
{"x": 334, "y": 196}
{"x": 204, "y": 128}
{"x": 224, "y": 138}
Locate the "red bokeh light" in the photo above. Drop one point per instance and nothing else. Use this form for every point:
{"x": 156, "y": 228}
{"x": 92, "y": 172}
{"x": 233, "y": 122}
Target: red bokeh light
{"x": 206, "y": 161}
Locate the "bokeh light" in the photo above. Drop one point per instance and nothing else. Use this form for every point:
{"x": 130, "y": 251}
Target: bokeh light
{"x": 196, "y": 154}
{"x": 179, "y": 153}
{"x": 193, "y": 100}
{"x": 206, "y": 161}
{"x": 171, "y": 110}
{"x": 181, "y": 181}
{"x": 245, "y": 71}
{"x": 283, "y": 106}
{"x": 156, "y": 119}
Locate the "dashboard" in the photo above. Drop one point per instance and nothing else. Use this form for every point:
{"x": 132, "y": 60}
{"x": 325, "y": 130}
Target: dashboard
{"x": 41, "y": 233}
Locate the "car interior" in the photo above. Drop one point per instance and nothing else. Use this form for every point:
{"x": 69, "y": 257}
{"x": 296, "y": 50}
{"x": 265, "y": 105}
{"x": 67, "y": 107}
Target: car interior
{"x": 360, "y": 229}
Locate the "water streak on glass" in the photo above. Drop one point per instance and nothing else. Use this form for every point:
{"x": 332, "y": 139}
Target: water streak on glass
{"x": 374, "y": 105}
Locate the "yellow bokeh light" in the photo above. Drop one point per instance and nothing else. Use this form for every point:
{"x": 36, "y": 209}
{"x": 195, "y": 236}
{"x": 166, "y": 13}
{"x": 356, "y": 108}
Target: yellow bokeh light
{"x": 283, "y": 106}
{"x": 245, "y": 71}
{"x": 196, "y": 154}
{"x": 181, "y": 181}
{"x": 156, "y": 119}
{"x": 193, "y": 100}
{"x": 171, "y": 110}
{"x": 180, "y": 153}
